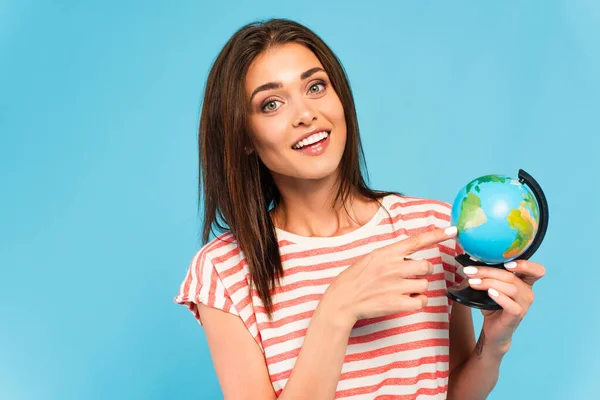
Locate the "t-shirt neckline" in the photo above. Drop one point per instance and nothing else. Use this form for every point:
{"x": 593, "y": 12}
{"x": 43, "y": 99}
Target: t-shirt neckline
{"x": 340, "y": 239}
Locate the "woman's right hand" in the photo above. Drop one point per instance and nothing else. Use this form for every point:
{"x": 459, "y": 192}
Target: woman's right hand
{"x": 384, "y": 281}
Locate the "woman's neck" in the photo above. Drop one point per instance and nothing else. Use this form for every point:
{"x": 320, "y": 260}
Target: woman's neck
{"x": 313, "y": 212}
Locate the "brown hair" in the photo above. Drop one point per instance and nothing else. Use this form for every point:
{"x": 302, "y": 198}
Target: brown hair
{"x": 238, "y": 188}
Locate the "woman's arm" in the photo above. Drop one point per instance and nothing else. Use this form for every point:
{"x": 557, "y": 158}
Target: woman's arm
{"x": 238, "y": 361}
{"x": 511, "y": 288}
{"x": 473, "y": 367}
{"x": 462, "y": 335}
{"x": 241, "y": 367}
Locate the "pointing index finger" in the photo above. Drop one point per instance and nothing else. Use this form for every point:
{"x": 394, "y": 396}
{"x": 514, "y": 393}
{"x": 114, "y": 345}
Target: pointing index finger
{"x": 425, "y": 239}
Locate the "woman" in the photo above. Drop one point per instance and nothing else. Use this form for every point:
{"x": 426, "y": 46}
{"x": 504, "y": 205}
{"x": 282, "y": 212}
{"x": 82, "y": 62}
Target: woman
{"x": 320, "y": 287}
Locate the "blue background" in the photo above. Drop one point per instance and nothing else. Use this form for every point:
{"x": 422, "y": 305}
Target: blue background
{"x": 99, "y": 107}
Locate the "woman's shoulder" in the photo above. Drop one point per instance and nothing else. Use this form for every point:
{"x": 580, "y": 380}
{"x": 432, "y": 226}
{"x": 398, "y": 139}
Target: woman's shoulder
{"x": 221, "y": 252}
{"x": 219, "y": 263}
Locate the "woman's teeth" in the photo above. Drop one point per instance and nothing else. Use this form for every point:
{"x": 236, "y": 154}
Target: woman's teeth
{"x": 310, "y": 140}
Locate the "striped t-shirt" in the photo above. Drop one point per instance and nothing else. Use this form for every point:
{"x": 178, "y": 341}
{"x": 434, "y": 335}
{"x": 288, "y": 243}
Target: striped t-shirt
{"x": 400, "y": 356}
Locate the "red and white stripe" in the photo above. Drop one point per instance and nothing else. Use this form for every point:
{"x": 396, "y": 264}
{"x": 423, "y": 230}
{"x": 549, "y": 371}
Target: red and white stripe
{"x": 401, "y": 356}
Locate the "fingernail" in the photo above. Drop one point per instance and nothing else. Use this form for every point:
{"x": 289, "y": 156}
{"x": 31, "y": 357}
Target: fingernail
{"x": 451, "y": 231}
{"x": 493, "y": 292}
{"x": 510, "y": 264}
{"x": 470, "y": 270}
{"x": 474, "y": 281}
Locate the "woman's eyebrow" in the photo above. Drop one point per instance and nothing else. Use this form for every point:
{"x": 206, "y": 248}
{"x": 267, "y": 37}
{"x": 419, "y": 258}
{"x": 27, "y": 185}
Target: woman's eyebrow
{"x": 277, "y": 85}
{"x": 311, "y": 71}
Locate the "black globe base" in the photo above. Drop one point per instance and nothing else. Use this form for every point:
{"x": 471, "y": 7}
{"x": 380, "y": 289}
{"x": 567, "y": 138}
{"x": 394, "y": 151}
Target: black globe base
{"x": 466, "y": 295}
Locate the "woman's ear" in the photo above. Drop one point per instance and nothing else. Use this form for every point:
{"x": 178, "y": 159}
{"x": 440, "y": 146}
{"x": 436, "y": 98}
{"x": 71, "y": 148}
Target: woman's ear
{"x": 248, "y": 150}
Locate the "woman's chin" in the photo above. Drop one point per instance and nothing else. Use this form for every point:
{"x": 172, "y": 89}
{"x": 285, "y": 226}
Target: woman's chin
{"x": 319, "y": 172}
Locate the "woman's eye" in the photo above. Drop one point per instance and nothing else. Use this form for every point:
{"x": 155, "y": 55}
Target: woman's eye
{"x": 316, "y": 88}
{"x": 270, "y": 105}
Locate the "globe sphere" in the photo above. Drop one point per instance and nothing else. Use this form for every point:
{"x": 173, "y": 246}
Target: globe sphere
{"x": 497, "y": 218}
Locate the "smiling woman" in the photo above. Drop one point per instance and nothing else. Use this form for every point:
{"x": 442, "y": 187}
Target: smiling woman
{"x": 319, "y": 287}
{"x": 300, "y": 111}
{"x": 272, "y": 86}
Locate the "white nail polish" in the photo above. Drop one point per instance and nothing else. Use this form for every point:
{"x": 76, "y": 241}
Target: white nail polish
{"x": 451, "y": 231}
{"x": 474, "y": 281}
{"x": 470, "y": 270}
{"x": 493, "y": 292}
{"x": 510, "y": 264}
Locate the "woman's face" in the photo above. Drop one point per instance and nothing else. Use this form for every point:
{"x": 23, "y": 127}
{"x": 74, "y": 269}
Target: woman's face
{"x": 292, "y": 105}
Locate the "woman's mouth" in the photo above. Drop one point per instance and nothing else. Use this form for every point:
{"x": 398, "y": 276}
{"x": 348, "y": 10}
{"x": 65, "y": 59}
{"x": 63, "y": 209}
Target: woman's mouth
{"x": 311, "y": 140}
{"x": 314, "y": 144}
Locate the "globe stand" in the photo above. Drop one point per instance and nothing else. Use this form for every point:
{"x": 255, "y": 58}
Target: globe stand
{"x": 464, "y": 293}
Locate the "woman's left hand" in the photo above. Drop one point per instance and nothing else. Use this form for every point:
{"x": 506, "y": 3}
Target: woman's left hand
{"x": 511, "y": 288}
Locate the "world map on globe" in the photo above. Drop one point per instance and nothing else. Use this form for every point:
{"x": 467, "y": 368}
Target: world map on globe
{"x": 497, "y": 218}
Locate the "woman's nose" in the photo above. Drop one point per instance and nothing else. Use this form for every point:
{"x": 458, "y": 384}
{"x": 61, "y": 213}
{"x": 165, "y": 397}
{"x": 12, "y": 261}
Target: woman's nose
{"x": 305, "y": 115}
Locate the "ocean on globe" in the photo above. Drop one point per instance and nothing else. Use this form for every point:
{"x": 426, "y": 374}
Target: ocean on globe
{"x": 497, "y": 218}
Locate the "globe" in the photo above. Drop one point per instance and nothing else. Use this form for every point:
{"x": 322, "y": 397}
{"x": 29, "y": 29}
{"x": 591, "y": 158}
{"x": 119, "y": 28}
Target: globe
{"x": 497, "y": 218}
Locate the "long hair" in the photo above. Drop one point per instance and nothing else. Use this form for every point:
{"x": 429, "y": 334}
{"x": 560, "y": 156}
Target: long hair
{"x": 238, "y": 189}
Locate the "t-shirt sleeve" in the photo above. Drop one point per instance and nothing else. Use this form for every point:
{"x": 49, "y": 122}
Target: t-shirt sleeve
{"x": 202, "y": 284}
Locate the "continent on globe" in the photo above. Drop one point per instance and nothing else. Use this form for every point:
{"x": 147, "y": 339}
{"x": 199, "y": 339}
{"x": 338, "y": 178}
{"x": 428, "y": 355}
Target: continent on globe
{"x": 485, "y": 179}
{"x": 471, "y": 213}
{"x": 529, "y": 200}
{"x": 525, "y": 224}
